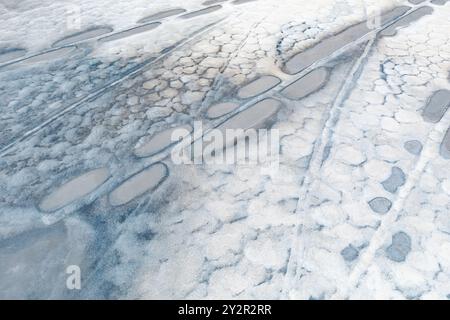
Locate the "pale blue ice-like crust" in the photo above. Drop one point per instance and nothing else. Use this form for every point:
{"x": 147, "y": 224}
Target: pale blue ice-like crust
{"x": 356, "y": 207}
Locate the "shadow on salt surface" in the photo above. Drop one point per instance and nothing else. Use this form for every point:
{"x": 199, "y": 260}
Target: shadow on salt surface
{"x": 130, "y": 32}
{"x": 201, "y": 12}
{"x": 83, "y": 36}
{"x": 10, "y": 54}
{"x": 41, "y": 58}
{"x": 162, "y": 15}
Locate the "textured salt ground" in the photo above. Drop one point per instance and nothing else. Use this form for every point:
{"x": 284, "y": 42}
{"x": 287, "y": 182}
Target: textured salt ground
{"x": 396, "y": 247}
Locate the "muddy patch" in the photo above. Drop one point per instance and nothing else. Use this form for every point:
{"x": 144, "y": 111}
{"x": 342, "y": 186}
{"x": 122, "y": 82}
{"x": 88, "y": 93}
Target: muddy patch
{"x": 445, "y": 146}
{"x": 328, "y": 46}
{"x": 254, "y": 117}
{"x": 201, "y": 12}
{"x": 74, "y": 190}
{"x": 310, "y": 83}
{"x": 258, "y": 86}
{"x": 242, "y": 1}
{"x": 130, "y": 32}
{"x": 210, "y": 2}
{"x": 158, "y": 142}
{"x": 162, "y": 15}
{"x": 83, "y": 36}
{"x": 142, "y": 182}
{"x": 221, "y": 109}
{"x": 43, "y": 57}
{"x": 437, "y": 106}
{"x": 439, "y": 2}
{"x": 406, "y": 21}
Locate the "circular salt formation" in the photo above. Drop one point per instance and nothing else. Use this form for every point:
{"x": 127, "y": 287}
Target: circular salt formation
{"x": 74, "y": 190}
{"x": 221, "y": 109}
{"x": 161, "y": 140}
{"x": 137, "y": 185}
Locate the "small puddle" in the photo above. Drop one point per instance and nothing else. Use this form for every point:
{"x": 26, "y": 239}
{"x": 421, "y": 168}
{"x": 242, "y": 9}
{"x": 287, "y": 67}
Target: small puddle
{"x": 201, "y": 12}
{"x": 162, "y": 15}
{"x": 83, "y": 36}
{"x": 43, "y": 57}
{"x": 416, "y": 1}
{"x": 221, "y": 109}
{"x": 406, "y": 21}
{"x": 437, "y": 106}
{"x": 210, "y": 2}
{"x": 328, "y": 46}
{"x": 258, "y": 86}
{"x": 445, "y": 146}
{"x": 142, "y": 182}
{"x": 158, "y": 142}
{"x": 11, "y": 54}
{"x": 242, "y": 1}
{"x": 310, "y": 83}
{"x": 254, "y": 117}
{"x": 74, "y": 189}
{"x": 130, "y": 32}
{"x": 439, "y": 2}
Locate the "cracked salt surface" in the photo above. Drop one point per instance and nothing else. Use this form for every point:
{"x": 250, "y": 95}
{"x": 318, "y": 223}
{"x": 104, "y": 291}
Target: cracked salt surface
{"x": 355, "y": 210}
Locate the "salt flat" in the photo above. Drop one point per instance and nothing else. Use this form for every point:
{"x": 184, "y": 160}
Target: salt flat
{"x": 357, "y": 207}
